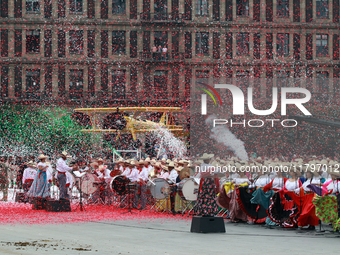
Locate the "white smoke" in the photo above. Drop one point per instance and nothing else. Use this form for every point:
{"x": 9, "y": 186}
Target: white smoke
{"x": 223, "y": 135}
{"x": 168, "y": 143}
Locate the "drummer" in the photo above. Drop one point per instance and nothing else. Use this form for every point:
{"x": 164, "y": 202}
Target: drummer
{"x": 105, "y": 178}
{"x": 143, "y": 178}
{"x": 172, "y": 179}
{"x": 127, "y": 168}
{"x": 133, "y": 176}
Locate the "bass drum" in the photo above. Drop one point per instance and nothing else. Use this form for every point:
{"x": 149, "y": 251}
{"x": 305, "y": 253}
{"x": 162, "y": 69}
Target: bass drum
{"x": 89, "y": 184}
{"x": 188, "y": 189}
{"x": 118, "y": 184}
{"x": 159, "y": 188}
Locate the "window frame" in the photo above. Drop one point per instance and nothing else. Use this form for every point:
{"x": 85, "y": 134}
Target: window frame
{"x": 121, "y": 2}
{"x": 246, "y": 9}
{"x": 76, "y": 10}
{"x": 27, "y": 41}
{"x": 201, "y": 50}
{"x": 284, "y": 50}
{"x": 121, "y": 50}
{"x": 326, "y": 9}
{"x": 247, "y": 43}
{"x": 73, "y": 42}
{"x": 31, "y": 2}
{"x": 199, "y": 8}
{"x": 283, "y": 7}
{"x": 324, "y": 52}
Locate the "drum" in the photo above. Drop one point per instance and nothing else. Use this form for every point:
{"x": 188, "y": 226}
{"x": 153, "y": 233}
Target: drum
{"x": 159, "y": 188}
{"x": 89, "y": 184}
{"x": 188, "y": 189}
{"x": 118, "y": 184}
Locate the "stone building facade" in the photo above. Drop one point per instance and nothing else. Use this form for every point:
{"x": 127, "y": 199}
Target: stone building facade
{"x": 124, "y": 52}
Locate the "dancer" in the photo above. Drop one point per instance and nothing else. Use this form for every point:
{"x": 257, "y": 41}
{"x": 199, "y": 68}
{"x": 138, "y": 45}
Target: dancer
{"x": 206, "y": 204}
{"x": 40, "y": 188}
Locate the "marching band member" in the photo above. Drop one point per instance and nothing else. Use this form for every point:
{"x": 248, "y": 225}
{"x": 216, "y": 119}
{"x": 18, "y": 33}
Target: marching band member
{"x": 29, "y": 175}
{"x": 172, "y": 178}
{"x": 133, "y": 176}
{"x": 127, "y": 169}
{"x": 143, "y": 167}
{"x": 62, "y": 168}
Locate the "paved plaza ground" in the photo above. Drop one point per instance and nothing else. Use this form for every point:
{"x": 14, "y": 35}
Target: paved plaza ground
{"x": 160, "y": 236}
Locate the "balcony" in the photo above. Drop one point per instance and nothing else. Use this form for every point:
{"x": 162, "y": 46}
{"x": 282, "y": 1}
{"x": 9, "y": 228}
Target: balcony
{"x": 164, "y": 17}
{"x": 159, "y": 57}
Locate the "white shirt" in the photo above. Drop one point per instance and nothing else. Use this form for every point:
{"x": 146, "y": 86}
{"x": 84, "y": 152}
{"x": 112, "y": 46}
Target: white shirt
{"x": 69, "y": 179}
{"x": 278, "y": 183}
{"x": 262, "y": 181}
{"x": 127, "y": 171}
{"x": 334, "y": 185}
{"x": 133, "y": 176}
{"x": 29, "y": 173}
{"x": 173, "y": 175}
{"x": 62, "y": 167}
{"x": 106, "y": 175}
{"x": 164, "y": 175}
{"x": 239, "y": 180}
{"x": 292, "y": 186}
{"x": 144, "y": 174}
{"x": 314, "y": 180}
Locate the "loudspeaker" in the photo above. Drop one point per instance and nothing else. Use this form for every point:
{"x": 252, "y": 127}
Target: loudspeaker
{"x": 201, "y": 224}
{"x": 58, "y": 206}
{"x": 20, "y": 197}
{"x": 39, "y": 203}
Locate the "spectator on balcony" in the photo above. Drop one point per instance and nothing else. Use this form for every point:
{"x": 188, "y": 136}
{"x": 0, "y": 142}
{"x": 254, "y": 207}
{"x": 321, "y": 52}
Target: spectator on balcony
{"x": 154, "y": 51}
{"x": 164, "y": 53}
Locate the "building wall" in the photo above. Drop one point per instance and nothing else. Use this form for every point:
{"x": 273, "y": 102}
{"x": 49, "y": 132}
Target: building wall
{"x": 222, "y": 60}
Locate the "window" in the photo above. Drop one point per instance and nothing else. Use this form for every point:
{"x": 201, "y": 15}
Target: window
{"x": 242, "y": 7}
{"x": 242, "y": 42}
{"x": 202, "y": 76}
{"x": 202, "y": 7}
{"x": 282, "y": 43}
{"x": 118, "y": 6}
{"x": 118, "y": 84}
{"x": 76, "y": 42}
{"x": 32, "y": 83}
{"x": 76, "y": 6}
{"x": 202, "y": 44}
{"x": 32, "y": 6}
{"x": 321, "y": 45}
{"x": 33, "y": 41}
{"x": 161, "y": 9}
{"x": 322, "y": 9}
{"x": 118, "y": 42}
{"x": 76, "y": 83}
{"x": 282, "y": 8}
{"x": 160, "y": 84}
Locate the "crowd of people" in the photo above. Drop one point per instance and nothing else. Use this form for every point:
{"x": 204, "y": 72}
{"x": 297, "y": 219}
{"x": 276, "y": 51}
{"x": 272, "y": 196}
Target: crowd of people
{"x": 295, "y": 193}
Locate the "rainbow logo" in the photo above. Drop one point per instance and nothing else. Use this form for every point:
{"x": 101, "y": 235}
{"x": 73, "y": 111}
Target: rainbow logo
{"x": 209, "y": 93}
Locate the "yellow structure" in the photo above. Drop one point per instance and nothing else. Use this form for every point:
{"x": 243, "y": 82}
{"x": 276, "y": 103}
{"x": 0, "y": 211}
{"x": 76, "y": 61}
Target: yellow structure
{"x": 135, "y": 123}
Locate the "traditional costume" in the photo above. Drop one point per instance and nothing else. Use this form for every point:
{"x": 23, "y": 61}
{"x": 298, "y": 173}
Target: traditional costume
{"x": 40, "y": 187}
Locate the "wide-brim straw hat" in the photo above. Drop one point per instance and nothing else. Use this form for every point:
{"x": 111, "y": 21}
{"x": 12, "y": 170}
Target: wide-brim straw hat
{"x": 102, "y": 167}
{"x": 207, "y": 156}
{"x": 31, "y": 163}
{"x": 42, "y": 156}
{"x": 171, "y": 164}
{"x": 65, "y": 154}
